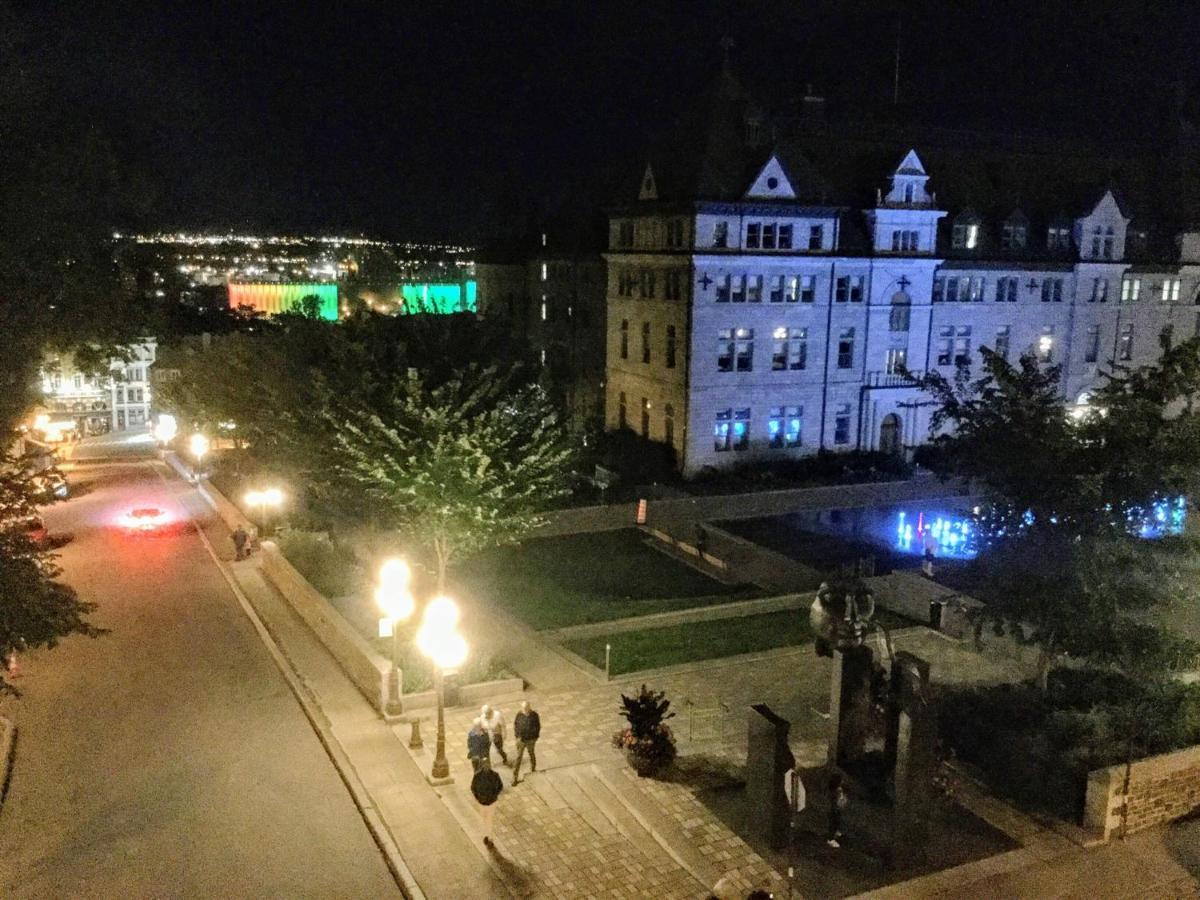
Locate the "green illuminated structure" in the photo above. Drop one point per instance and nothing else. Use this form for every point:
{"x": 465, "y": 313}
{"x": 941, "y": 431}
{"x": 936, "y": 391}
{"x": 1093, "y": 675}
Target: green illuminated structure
{"x": 441, "y": 298}
{"x": 272, "y": 299}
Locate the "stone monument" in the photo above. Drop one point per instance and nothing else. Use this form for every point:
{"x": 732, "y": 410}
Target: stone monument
{"x": 768, "y": 758}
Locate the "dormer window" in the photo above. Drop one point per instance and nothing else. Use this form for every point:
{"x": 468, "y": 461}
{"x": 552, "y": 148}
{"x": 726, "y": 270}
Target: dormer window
{"x": 1102, "y": 242}
{"x": 1012, "y": 237}
{"x": 1058, "y": 237}
{"x": 965, "y": 236}
{"x": 909, "y": 191}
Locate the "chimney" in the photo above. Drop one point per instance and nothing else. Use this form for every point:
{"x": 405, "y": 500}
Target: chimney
{"x": 812, "y": 108}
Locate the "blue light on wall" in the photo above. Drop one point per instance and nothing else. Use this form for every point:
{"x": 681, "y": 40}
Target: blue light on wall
{"x": 950, "y": 537}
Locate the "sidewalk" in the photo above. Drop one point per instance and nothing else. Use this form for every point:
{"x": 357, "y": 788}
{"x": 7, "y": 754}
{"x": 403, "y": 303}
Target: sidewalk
{"x": 444, "y": 861}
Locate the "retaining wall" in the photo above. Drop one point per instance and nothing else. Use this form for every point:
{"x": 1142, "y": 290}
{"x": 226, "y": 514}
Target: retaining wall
{"x": 1161, "y": 789}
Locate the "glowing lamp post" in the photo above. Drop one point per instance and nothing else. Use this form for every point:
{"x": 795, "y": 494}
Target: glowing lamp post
{"x": 438, "y": 639}
{"x": 264, "y": 501}
{"x": 395, "y": 601}
{"x": 199, "y": 447}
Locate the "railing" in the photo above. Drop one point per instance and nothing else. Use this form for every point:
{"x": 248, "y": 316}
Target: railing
{"x": 892, "y": 379}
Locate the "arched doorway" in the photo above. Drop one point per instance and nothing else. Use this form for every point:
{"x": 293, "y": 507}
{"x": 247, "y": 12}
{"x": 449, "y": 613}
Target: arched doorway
{"x": 889, "y": 435}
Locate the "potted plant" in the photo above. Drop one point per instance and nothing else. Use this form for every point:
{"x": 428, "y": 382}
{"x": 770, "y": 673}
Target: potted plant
{"x": 647, "y": 740}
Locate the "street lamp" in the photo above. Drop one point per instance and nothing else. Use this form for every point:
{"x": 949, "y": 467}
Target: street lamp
{"x": 395, "y": 600}
{"x": 439, "y": 640}
{"x": 199, "y": 446}
{"x": 264, "y": 500}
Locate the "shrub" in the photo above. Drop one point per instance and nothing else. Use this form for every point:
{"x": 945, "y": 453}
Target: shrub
{"x": 647, "y": 740}
{"x": 317, "y": 559}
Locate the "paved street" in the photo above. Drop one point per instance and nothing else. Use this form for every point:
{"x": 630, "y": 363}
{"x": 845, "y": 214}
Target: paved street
{"x": 167, "y": 758}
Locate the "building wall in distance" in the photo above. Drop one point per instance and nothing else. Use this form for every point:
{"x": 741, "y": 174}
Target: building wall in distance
{"x": 273, "y": 299}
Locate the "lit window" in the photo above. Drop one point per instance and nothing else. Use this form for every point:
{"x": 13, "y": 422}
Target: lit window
{"x": 721, "y": 430}
{"x": 545, "y": 271}
{"x": 1045, "y": 345}
{"x": 1131, "y": 289}
{"x": 721, "y": 234}
{"x": 1125, "y": 343}
{"x": 896, "y": 359}
{"x": 775, "y": 426}
{"x": 1091, "y": 347}
{"x": 841, "y": 425}
{"x": 1001, "y": 345}
{"x": 741, "y": 429}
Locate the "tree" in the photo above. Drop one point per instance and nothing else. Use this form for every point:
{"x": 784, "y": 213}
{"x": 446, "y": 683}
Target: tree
{"x": 1060, "y": 563}
{"x": 456, "y": 467}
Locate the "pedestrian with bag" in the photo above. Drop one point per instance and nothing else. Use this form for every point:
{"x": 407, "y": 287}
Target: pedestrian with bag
{"x": 493, "y": 722}
{"x": 527, "y": 726}
{"x": 479, "y": 746}
{"x": 486, "y": 786}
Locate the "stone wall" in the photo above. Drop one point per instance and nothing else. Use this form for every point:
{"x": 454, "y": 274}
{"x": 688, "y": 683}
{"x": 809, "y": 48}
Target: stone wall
{"x": 366, "y": 668}
{"x": 1161, "y": 789}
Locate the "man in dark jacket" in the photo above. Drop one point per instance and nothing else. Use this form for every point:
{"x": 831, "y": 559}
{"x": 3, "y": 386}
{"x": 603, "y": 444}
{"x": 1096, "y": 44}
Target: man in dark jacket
{"x": 527, "y": 726}
{"x": 479, "y": 746}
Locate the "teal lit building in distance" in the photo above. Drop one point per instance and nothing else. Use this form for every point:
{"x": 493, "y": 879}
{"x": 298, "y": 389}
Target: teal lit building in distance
{"x": 442, "y": 298}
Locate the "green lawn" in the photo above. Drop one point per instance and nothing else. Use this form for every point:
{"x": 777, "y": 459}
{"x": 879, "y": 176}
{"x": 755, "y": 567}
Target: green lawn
{"x": 573, "y": 580}
{"x": 652, "y": 648}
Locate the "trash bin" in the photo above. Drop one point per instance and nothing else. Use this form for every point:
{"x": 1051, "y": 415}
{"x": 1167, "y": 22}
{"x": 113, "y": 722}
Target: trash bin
{"x": 937, "y": 609}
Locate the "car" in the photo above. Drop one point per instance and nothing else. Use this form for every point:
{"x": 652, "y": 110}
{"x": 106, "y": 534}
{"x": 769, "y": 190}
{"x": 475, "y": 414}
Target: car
{"x": 145, "y": 518}
{"x": 50, "y": 486}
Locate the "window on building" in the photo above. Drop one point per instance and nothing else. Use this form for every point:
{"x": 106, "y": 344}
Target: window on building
{"x": 1099, "y": 291}
{"x": 725, "y": 348}
{"x": 795, "y": 425}
{"x": 962, "y": 346}
{"x": 808, "y": 288}
{"x": 1052, "y": 290}
{"x": 1131, "y": 289}
{"x": 973, "y": 288}
{"x": 744, "y": 340}
{"x": 1012, "y": 236}
{"x": 1167, "y": 336}
{"x": 1102, "y": 242}
{"x": 669, "y": 425}
{"x": 622, "y": 411}
{"x": 1058, "y": 237}
{"x": 738, "y": 289}
{"x": 904, "y": 241}
{"x": 724, "y": 288}
{"x": 775, "y": 428}
{"x": 816, "y": 237}
{"x": 939, "y": 289}
{"x": 1091, "y": 344}
{"x": 545, "y": 308}
{"x": 897, "y": 359}
{"x": 789, "y": 349}
{"x": 841, "y": 425}
{"x": 753, "y": 235}
{"x": 624, "y": 339}
{"x": 645, "y": 342}
{"x": 1001, "y": 345}
{"x": 908, "y": 192}
{"x": 78, "y": 381}
{"x": 768, "y": 236}
{"x": 1173, "y": 293}
{"x": 1045, "y": 344}
{"x": 845, "y": 349}
{"x": 775, "y": 289}
{"x": 965, "y": 236}
{"x": 898, "y": 318}
{"x": 722, "y": 426}
{"x": 672, "y": 285}
{"x": 785, "y": 237}
{"x": 545, "y": 271}
{"x": 625, "y": 234}
{"x": 675, "y": 233}
{"x": 721, "y": 234}
{"x": 849, "y": 287}
{"x": 1125, "y": 343}
{"x": 945, "y": 345}
{"x": 646, "y": 418}
{"x": 670, "y": 355}
{"x": 1006, "y": 289}
{"x": 647, "y": 284}
{"x": 754, "y": 284}
{"x": 741, "y": 429}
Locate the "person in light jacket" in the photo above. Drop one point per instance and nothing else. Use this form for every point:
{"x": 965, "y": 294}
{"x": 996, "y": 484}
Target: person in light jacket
{"x": 493, "y": 723}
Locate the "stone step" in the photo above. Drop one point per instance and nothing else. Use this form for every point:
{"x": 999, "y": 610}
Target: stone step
{"x": 611, "y": 806}
{"x": 665, "y": 831}
{"x": 570, "y": 791}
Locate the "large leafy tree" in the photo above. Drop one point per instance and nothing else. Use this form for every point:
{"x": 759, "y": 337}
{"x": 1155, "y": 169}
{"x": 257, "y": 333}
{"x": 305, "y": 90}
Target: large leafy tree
{"x": 455, "y": 467}
{"x": 1061, "y": 564}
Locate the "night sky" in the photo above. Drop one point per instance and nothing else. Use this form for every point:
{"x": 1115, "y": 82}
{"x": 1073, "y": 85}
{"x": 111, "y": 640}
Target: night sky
{"x": 413, "y": 120}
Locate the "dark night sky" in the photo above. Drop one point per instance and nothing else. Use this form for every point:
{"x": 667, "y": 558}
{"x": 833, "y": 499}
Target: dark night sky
{"x": 414, "y": 119}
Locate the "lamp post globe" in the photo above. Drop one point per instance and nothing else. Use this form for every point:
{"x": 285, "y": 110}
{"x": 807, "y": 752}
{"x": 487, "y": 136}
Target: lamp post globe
{"x": 439, "y": 640}
{"x": 395, "y": 601}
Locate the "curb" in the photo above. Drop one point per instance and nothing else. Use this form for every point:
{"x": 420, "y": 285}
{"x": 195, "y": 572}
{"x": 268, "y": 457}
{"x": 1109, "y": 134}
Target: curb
{"x": 8, "y": 755}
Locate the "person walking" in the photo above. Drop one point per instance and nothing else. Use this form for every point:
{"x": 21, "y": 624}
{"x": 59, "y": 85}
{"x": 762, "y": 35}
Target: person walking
{"x": 239, "y": 542}
{"x": 527, "y": 726}
{"x": 493, "y": 722}
{"x": 486, "y": 786}
{"x": 479, "y": 746}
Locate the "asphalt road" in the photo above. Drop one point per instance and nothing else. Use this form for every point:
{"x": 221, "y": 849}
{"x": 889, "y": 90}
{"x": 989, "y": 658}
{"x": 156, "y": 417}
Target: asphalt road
{"x": 167, "y": 758}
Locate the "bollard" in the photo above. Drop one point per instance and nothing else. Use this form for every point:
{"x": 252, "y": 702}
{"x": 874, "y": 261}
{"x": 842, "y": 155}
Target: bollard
{"x": 415, "y": 742}
{"x": 607, "y": 658}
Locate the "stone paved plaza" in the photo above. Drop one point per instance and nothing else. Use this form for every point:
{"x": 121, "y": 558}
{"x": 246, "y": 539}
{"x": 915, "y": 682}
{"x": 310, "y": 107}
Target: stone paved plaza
{"x": 585, "y": 826}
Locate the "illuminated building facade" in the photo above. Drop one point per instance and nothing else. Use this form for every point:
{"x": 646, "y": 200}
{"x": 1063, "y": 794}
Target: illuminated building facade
{"x": 273, "y": 299}
{"x": 118, "y": 401}
{"x": 758, "y": 309}
{"x": 439, "y": 298}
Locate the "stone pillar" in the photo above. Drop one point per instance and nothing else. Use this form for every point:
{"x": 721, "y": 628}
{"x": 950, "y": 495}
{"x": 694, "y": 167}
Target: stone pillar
{"x": 768, "y": 758}
{"x": 910, "y": 751}
{"x": 849, "y": 704}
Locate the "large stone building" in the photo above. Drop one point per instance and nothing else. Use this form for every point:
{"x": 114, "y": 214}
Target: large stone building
{"x": 752, "y": 317}
{"x": 117, "y": 401}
